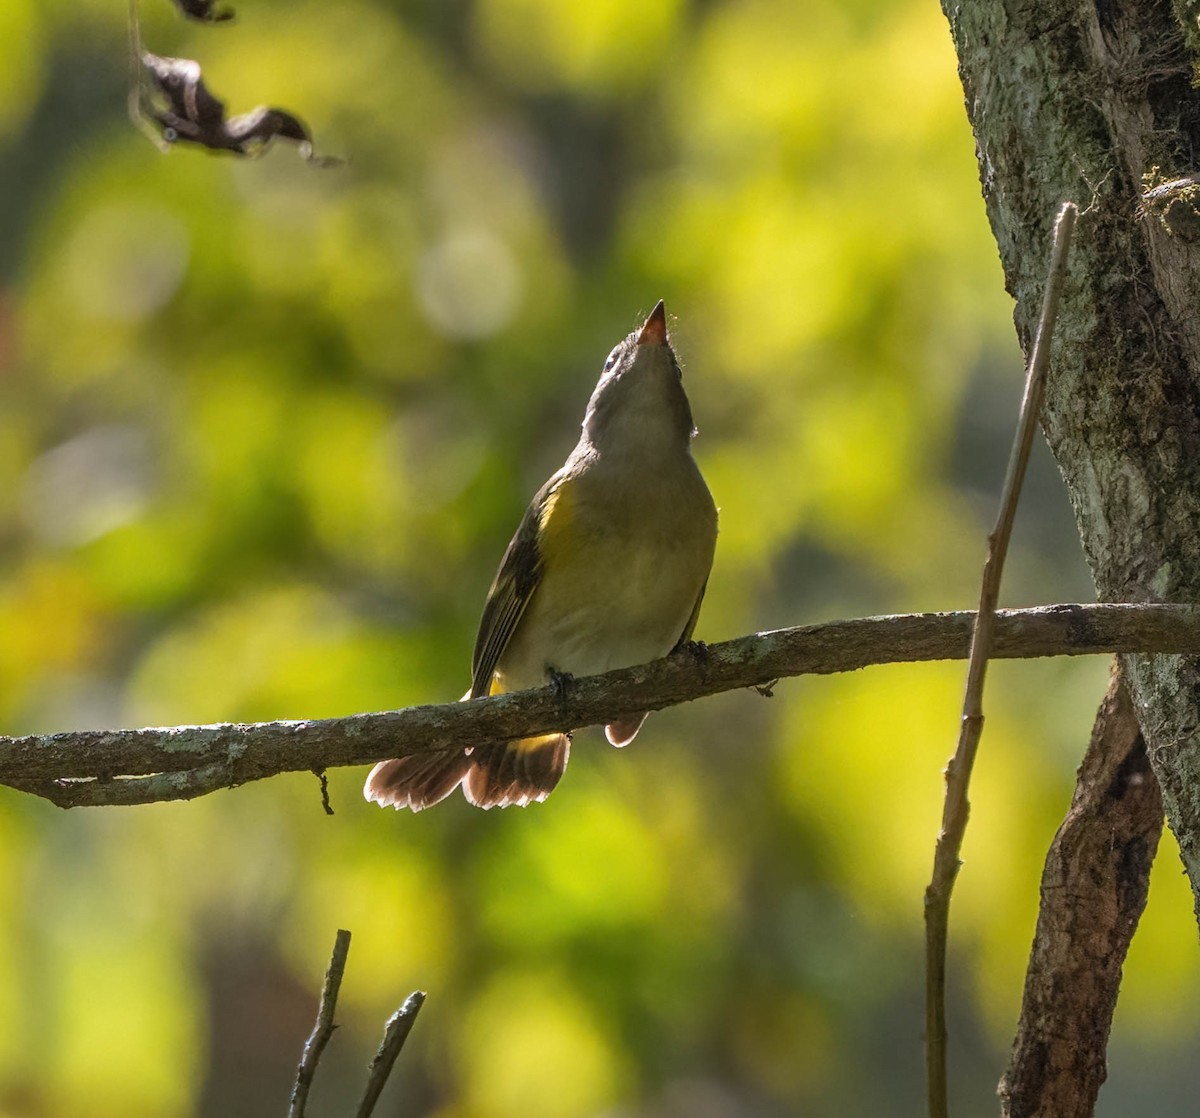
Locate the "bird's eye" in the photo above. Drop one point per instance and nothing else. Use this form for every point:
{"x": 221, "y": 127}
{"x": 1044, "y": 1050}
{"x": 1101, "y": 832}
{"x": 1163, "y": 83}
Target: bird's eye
{"x": 612, "y": 359}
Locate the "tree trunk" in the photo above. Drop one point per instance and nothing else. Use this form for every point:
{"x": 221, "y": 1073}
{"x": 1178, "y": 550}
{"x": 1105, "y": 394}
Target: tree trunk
{"x": 1093, "y": 101}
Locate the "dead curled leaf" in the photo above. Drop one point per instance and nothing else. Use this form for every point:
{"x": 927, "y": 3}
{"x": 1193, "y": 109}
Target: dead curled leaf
{"x": 187, "y": 111}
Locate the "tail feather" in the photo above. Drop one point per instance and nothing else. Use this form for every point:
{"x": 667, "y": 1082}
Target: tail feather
{"x": 417, "y": 781}
{"x": 624, "y": 729}
{"x": 516, "y": 773}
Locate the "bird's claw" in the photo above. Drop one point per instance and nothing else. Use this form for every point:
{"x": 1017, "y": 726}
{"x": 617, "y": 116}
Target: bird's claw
{"x": 561, "y": 682}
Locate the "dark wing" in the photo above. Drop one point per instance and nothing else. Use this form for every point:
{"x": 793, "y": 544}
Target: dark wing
{"x": 518, "y": 577}
{"x": 691, "y": 621}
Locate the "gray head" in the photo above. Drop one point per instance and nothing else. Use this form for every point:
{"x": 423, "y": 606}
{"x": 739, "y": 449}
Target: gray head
{"x": 640, "y": 398}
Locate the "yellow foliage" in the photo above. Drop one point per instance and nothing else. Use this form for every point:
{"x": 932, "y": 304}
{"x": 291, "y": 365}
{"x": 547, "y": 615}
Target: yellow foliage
{"x": 265, "y": 430}
{"x": 532, "y": 1048}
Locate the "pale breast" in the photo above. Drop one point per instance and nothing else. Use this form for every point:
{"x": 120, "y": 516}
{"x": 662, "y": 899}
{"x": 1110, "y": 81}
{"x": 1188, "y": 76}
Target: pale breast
{"x": 625, "y": 561}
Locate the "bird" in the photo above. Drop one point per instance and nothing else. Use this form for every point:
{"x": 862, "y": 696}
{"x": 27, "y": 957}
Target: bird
{"x": 607, "y": 569}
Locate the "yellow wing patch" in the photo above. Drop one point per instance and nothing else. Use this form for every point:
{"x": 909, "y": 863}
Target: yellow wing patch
{"x": 554, "y": 524}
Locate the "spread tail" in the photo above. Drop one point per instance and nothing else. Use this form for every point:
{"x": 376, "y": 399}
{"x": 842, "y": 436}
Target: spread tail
{"x": 516, "y": 773}
{"x": 418, "y": 781}
{"x": 513, "y": 773}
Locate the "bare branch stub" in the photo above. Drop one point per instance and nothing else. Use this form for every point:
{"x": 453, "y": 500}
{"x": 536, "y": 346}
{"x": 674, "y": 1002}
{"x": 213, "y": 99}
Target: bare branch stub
{"x": 323, "y": 780}
{"x": 394, "y": 1035}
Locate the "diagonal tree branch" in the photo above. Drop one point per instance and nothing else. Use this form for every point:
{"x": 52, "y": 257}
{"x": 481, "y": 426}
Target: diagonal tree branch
{"x": 1093, "y": 891}
{"x": 113, "y": 767}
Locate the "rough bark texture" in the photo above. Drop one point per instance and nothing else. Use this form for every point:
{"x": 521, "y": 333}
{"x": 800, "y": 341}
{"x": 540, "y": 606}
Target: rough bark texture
{"x": 1093, "y": 892}
{"x": 1080, "y": 99}
{"x": 110, "y": 767}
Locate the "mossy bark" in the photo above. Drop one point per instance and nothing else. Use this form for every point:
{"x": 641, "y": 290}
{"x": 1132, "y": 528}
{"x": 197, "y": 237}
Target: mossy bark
{"x": 1094, "y": 102}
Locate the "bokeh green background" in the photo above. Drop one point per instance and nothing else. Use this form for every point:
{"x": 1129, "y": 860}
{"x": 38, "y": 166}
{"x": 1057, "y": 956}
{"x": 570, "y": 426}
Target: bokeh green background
{"x": 264, "y": 433}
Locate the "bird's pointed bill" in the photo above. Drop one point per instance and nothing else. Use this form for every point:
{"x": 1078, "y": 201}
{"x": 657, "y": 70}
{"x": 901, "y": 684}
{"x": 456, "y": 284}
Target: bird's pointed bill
{"x": 654, "y": 331}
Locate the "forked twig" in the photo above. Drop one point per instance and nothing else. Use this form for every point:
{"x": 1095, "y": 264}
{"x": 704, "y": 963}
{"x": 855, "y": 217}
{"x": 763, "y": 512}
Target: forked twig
{"x": 394, "y": 1035}
{"x": 958, "y": 772}
{"x": 324, "y": 1026}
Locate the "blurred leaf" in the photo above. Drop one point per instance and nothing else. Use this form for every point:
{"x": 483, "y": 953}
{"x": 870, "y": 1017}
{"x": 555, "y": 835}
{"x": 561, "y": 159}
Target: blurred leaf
{"x": 204, "y": 11}
{"x": 532, "y": 1049}
{"x": 609, "y": 47}
{"x": 23, "y": 51}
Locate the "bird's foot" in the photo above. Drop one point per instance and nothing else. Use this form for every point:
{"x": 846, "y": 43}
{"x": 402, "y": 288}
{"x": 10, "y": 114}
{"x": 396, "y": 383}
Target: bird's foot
{"x": 560, "y": 681}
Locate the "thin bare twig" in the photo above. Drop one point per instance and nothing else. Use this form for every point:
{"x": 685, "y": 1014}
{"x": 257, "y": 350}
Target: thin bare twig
{"x": 135, "y": 93}
{"x": 394, "y": 1035}
{"x": 324, "y": 1026}
{"x": 117, "y": 767}
{"x": 958, "y": 773}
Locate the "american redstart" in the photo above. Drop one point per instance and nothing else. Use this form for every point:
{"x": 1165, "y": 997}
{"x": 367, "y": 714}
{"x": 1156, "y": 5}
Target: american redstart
{"x": 607, "y": 570}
